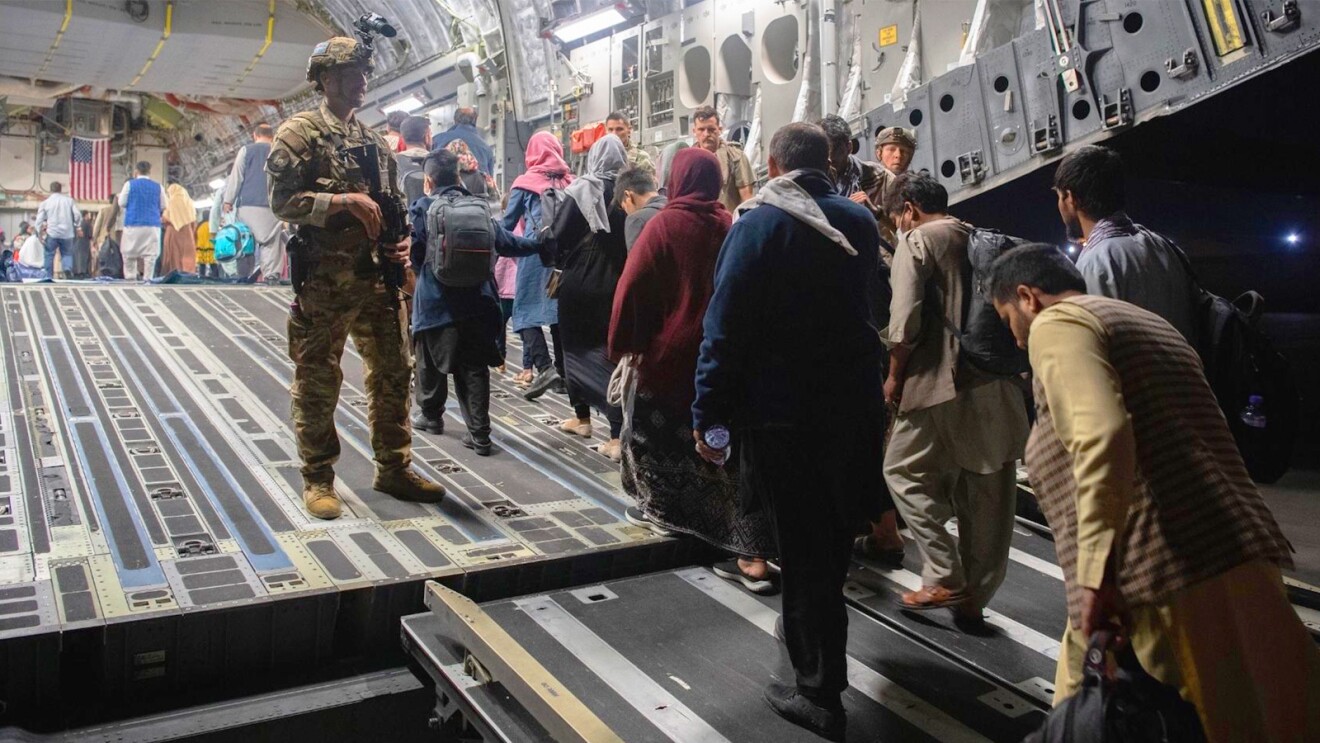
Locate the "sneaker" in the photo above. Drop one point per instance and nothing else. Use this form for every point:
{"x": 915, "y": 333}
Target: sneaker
{"x": 524, "y": 378}
{"x": 577, "y": 426}
{"x": 559, "y": 388}
{"x": 421, "y": 422}
{"x": 612, "y": 449}
{"x": 541, "y": 384}
{"x": 789, "y": 703}
{"x": 321, "y": 500}
{"x": 481, "y": 448}
{"x": 406, "y": 485}
{"x": 732, "y": 571}
{"x": 501, "y": 369}
{"x": 637, "y": 518}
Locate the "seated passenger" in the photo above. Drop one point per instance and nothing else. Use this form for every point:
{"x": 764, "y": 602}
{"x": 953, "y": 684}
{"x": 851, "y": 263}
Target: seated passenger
{"x": 455, "y": 328}
{"x": 788, "y": 366}
{"x": 658, "y": 310}
{"x": 1157, "y": 525}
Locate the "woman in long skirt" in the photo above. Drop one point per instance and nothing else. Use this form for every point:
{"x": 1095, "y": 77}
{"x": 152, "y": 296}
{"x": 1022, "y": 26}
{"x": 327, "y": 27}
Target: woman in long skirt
{"x": 657, "y": 317}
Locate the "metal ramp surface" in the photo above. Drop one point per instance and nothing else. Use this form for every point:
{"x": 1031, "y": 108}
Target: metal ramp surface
{"x": 152, "y": 535}
{"x": 682, "y": 656}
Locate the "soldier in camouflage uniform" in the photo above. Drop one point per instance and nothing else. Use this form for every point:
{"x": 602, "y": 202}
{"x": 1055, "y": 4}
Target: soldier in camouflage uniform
{"x": 314, "y": 185}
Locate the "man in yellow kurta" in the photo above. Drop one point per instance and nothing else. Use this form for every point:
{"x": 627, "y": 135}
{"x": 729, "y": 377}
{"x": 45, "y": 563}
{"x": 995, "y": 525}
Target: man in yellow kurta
{"x": 1157, "y": 525}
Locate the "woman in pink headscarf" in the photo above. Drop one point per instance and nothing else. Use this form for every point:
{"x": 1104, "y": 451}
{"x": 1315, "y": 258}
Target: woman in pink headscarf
{"x": 532, "y": 309}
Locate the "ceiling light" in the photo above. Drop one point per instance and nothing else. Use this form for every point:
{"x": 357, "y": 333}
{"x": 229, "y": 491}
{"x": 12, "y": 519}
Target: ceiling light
{"x": 588, "y": 25}
{"x": 407, "y": 105}
{"x": 217, "y": 184}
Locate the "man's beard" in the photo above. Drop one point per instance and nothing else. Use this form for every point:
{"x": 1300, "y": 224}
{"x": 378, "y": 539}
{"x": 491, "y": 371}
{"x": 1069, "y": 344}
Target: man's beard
{"x": 1073, "y": 228}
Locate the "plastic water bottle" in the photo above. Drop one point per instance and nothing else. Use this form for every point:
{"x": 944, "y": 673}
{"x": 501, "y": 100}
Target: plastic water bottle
{"x": 1254, "y": 413}
{"x": 717, "y": 438}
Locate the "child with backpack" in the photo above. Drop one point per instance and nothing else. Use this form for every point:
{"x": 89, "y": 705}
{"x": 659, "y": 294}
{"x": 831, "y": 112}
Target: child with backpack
{"x": 456, "y": 310}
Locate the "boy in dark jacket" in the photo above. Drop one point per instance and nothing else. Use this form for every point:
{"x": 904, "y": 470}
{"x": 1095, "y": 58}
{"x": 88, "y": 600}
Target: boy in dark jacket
{"x": 455, "y": 329}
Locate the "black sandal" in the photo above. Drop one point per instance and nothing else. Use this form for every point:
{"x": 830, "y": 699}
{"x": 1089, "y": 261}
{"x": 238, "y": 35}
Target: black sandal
{"x": 865, "y": 548}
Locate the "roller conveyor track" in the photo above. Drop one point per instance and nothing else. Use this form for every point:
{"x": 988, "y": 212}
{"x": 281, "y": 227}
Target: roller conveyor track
{"x": 150, "y": 509}
{"x": 153, "y": 542}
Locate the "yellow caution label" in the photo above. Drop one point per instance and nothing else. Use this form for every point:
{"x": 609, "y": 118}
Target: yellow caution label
{"x": 1225, "y": 26}
{"x": 889, "y": 35}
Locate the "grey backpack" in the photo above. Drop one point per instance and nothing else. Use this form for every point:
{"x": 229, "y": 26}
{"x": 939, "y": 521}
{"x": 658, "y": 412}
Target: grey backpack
{"x": 460, "y": 240}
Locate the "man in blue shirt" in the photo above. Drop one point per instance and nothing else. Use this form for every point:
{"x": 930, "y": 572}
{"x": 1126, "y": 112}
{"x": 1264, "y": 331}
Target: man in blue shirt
{"x": 1121, "y": 259}
{"x": 455, "y": 329}
{"x": 790, "y": 363}
{"x": 465, "y": 128}
{"x": 61, "y": 218}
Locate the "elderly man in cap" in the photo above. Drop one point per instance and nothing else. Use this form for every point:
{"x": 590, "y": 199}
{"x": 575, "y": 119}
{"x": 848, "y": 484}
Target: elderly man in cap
{"x": 316, "y": 184}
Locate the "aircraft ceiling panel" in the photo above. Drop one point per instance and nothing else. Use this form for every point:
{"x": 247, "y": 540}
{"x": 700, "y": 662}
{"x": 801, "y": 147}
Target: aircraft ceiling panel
{"x": 206, "y": 53}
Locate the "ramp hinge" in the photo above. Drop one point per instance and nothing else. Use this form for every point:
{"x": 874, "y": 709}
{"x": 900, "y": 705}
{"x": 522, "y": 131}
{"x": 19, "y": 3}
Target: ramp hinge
{"x": 971, "y": 167}
{"x": 474, "y": 670}
{"x": 1046, "y": 138}
{"x": 1287, "y": 20}
{"x": 1187, "y": 68}
{"x": 1118, "y": 112}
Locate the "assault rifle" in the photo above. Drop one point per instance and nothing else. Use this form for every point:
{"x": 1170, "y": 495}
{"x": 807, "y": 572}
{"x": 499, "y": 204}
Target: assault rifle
{"x": 393, "y": 217}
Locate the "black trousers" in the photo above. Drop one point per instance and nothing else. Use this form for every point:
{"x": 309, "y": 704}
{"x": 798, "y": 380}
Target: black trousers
{"x": 537, "y": 353}
{"x": 442, "y": 353}
{"x": 813, "y": 489}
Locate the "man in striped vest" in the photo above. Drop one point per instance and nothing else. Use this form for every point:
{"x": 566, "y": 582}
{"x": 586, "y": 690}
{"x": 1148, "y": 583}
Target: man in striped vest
{"x": 1156, "y": 523}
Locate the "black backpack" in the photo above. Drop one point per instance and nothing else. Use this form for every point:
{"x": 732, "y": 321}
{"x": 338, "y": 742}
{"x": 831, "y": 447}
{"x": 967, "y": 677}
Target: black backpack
{"x": 109, "y": 261}
{"x": 460, "y": 239}
{"x": 1133, "y": 708}
{"x": 8, "y": 269}
{"x": 1241, "y": 363}
{"x": 984, "y": 341}
{"x": 411, "y": 178}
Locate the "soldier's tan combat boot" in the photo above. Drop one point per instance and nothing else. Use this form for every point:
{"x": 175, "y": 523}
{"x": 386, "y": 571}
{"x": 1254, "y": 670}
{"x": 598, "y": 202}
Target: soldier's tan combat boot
{"x": 404, "y": 484}
{"x": 321, "y": 500}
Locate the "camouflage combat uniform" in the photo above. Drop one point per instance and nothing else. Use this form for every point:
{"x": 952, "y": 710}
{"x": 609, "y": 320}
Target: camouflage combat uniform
{"x": 637, "y": 158}
{"x": 344, "y": 294}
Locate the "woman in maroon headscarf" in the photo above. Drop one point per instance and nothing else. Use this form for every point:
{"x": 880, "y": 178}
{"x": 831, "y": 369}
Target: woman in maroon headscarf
{"x": 658, "y": 310}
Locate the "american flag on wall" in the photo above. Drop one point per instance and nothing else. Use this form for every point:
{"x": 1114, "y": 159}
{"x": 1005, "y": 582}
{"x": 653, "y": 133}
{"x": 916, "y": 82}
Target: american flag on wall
{"x": 89, "y": 169}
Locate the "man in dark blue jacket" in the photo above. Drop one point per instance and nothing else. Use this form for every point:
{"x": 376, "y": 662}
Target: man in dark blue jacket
{"x": 455, "y": 329}
{"x": 465, "y": 128}
{"x": 790, "y": 364}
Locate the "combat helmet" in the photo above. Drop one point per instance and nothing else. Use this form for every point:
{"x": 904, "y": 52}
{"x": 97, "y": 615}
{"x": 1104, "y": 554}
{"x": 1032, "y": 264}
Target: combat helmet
{"x": 335, "y": 52}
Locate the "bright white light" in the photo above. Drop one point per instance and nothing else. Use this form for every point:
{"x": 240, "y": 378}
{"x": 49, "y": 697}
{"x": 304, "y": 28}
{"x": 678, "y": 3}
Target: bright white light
{"x": 1294, "y": 238}
{"x": 217, "y": 184}
{"x": 407, "y": 105}
{"x": 1072, "y": 249}
{"x": 589, "y": 25}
